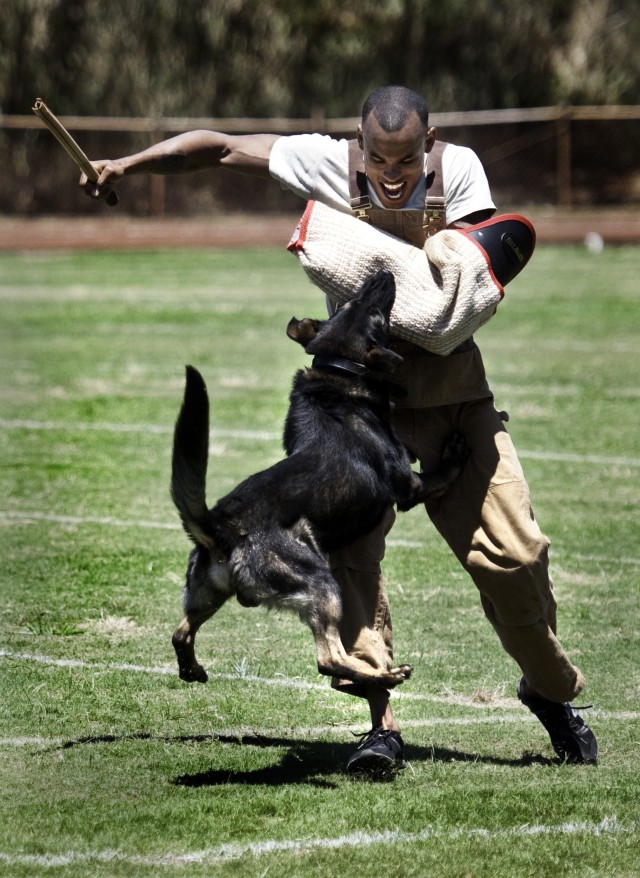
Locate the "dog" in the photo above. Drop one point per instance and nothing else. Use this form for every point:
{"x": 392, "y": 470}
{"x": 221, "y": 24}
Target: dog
{"x": 266, "y": 542}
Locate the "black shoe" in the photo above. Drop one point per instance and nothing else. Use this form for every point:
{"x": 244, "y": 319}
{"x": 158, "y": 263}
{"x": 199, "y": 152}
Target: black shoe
{"x": 571, "y": 737}
{"x": 508, "y": 242}
{"x": 379, "y": 754}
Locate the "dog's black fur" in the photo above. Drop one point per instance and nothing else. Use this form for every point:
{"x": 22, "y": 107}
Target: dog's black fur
{"x": 266, "y": 541}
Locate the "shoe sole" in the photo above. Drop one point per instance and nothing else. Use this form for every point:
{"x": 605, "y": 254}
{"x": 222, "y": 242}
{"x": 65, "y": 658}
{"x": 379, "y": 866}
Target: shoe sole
{"x": 374, "y": 766}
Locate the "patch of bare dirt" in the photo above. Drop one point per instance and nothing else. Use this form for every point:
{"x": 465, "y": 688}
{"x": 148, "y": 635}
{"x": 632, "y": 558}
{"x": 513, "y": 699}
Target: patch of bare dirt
{"x": 102, "y": 232}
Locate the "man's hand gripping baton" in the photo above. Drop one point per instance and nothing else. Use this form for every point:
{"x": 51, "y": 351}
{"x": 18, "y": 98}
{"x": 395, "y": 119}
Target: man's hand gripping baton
{"x": 69, "y": 145}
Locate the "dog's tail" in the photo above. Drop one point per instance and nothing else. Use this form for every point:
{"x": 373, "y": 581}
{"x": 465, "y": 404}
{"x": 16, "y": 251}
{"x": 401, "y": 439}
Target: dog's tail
{"x": 189, "y": 462}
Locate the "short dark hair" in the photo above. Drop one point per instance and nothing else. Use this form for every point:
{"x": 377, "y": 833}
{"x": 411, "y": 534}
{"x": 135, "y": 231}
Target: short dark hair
{"x": 392, "y": 105}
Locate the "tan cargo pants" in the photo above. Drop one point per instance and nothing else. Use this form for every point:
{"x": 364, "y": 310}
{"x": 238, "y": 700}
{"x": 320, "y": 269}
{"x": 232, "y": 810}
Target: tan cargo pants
{"x": 487, "y": 520}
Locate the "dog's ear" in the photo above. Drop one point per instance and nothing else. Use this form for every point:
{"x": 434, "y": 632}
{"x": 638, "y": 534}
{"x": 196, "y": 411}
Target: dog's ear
{"x": 382, "y": 360}
{"x": 303, "y": 331}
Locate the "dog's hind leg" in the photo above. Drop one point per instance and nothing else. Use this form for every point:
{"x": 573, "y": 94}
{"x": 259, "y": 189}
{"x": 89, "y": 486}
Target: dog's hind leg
{"x": 183, "y": 641}
{"x": 206, "y": 591}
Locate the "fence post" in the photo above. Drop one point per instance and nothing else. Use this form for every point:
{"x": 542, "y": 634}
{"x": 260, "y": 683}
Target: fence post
{"x": 564, "y": 188}
{"x": 157, "y": 185}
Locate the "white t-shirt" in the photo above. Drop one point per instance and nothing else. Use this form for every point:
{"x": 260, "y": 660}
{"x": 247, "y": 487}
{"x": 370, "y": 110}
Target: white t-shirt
{"x": 315, "y": 166}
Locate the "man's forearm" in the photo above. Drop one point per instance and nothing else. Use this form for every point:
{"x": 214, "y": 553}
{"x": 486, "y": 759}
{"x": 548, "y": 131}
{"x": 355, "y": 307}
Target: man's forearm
{"x": 182, "y": 154}
{"x": 192, "y": 151}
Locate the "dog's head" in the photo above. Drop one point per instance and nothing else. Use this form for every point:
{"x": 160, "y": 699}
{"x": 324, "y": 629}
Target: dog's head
{"x": 358, "y": 331}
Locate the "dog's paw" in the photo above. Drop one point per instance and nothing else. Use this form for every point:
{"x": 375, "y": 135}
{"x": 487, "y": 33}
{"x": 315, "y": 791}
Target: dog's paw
{"x": 193, "y": 674}
{"x": 396, "y": 676}
{"x": 188, "y": 668}
{"x": 455, "y": 451}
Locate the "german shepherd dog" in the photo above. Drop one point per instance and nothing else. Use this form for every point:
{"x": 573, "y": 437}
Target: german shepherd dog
{"x": 266, "y": 541}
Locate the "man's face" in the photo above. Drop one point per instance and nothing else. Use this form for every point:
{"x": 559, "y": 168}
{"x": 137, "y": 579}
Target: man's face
{"x": 394, "y": 162}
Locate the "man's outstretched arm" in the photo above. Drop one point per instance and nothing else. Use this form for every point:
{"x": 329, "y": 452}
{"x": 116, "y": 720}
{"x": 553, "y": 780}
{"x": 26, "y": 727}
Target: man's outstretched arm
{"x": 193, "y": 151}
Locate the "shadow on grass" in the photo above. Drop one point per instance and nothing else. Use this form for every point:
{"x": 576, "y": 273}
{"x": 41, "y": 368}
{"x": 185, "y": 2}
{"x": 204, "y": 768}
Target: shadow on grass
{"x": 306, "y": 762}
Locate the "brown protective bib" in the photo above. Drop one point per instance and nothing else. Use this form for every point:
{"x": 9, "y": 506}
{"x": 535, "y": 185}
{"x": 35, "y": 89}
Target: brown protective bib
{"x": 427, "y": 379}
{"x": 413, "y": 226}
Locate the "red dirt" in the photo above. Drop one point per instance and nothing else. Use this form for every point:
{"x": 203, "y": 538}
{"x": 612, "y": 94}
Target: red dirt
{"x": 123, "y": 232}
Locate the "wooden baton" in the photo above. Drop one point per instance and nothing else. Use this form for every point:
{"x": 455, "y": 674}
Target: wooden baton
{"x": 69, "y": 145}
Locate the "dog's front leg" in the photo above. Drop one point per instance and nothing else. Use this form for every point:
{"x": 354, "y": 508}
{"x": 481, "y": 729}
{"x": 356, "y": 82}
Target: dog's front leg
{"x": 454, "y": 456}
{"x": 299, "y": 578}
{"x": 333, "y": 661}
{"x": 323, "y": 617}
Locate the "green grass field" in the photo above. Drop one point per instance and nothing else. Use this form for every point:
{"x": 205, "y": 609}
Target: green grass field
{"x": 111, "y": 766}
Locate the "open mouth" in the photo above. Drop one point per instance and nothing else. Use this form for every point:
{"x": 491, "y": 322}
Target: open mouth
{"x": 393, "y": 191}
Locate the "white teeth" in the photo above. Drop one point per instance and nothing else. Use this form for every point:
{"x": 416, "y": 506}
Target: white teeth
{"x": 393, "y": 190}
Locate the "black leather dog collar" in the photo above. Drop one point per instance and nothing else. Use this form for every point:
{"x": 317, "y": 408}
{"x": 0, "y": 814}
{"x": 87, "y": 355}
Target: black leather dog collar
{"x": 338, "y": 364}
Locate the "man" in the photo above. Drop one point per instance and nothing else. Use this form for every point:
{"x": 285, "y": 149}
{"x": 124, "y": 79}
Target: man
{"x": 486, "y": 517}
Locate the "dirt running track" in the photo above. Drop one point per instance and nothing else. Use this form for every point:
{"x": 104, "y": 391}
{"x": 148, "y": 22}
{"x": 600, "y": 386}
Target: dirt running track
{"x": 108, "y": 232}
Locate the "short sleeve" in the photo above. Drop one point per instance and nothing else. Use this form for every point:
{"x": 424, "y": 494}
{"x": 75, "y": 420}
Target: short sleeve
{"x": 465, "y": 183}
{"x": 314, "y": 166}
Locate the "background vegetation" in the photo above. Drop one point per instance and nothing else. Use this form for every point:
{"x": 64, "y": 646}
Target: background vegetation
{"x": 265, "y": 58}
{"x": 226, "y": 61}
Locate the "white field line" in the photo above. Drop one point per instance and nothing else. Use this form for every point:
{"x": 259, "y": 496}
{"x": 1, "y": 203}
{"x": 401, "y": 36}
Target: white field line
{"x": 25, "y": 517}
{"x": 598, "y": 559}
{"x": 277, "y": 681}
{"x": 594, "y": 459}
{"x": 106, "y": 427}
{"x": 314, "y": 732}
{"x": 563, "y": 345}
{"x": 75, "y": 520}
{"x": 269, "y": 436}
{"x": 280, "y": 681}
{"x": 224, "y": 853}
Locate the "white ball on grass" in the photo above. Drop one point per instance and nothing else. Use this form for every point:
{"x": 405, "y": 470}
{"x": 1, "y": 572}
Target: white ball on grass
{"x": 594, "y": 242}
